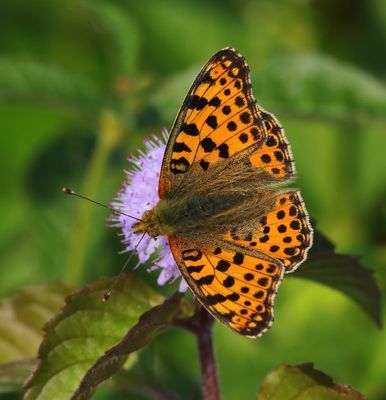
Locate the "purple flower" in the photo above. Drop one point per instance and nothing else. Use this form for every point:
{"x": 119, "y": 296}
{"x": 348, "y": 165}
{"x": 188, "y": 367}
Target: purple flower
{"x": 138, "y": 194}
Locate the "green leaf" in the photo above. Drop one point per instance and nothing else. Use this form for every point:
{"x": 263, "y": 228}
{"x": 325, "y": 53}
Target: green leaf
{"x": 342, "y": 272}
{"x": 303, "y": 382}
{"x": 78, "y": 336}
{"x": 151, "y": 324}
{"x": 316, "y": 86}
{"x": 31, "y": 81}
{"x": 22, "y": 319}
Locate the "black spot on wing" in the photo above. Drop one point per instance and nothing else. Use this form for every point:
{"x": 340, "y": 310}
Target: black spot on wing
{"x": 204, "y": 164}
{"x": 205, "y": 280}
{"x": 223, "y": 265}
{"x": 190, "y": 129}
{"x": 197, "y": 102}
{"x": 212, "y": 121}
{"x": 208, "y": 144}
{"x": 181, "y": 147}
{"x": 215, "y": 102}
{"x": 195, "y": 268}
{"x": 191, "y": 255}
{"x": 223, "y": 150}
{"x": 213, "y": 299}
{"x": 228, "y": 281}
{"x": 179, "y": 165}
{"x": 232, "y": 126}
{"x": 245, "y": 117}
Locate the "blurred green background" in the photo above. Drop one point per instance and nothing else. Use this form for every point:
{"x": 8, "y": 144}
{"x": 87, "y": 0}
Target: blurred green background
{"x": 83, "y": 82}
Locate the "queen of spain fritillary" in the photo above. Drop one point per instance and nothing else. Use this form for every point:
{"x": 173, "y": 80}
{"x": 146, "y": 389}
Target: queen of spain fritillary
{"x": 233, "y": 225}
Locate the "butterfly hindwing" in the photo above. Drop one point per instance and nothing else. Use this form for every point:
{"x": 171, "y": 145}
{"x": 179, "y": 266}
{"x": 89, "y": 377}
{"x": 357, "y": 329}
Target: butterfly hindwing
{"x": 284, "y": 233}
{"x": 218, "y": 118}
{"x": 289, "y": 231}
{"x": 237, "y": 289}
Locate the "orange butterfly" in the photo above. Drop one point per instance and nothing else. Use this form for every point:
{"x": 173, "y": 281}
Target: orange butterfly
{"x": 233, "y": 227}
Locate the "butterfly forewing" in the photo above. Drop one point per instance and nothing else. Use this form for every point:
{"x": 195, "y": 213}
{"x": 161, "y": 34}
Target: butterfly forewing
{"x": 218, "y": 118}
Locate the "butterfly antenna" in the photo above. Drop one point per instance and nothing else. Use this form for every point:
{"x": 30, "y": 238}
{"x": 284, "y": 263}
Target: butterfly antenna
{"x": 72, "y": 193}
{"x": 107, "y": 294}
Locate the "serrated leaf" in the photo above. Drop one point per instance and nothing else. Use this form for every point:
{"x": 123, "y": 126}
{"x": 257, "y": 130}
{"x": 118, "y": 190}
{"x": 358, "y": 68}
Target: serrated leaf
{"x": 82, "y": 331}
{"x": 342, "y": 272}
{"x": 22, "y": 319}
{"x": 303, "y": 382}
{"x": 31, "y": 81}
{"x": 150, "y": 325}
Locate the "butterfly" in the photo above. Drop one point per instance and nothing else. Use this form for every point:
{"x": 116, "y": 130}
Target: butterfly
{"x": 233, "y": 225}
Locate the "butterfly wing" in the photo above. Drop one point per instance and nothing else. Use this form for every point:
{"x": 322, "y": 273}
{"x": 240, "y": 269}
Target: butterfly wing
{"x": 274, "y": 155}
{"x": 235, "y": 288}
{"x": 284, "y": 233}
{"x": 218, "y": 118}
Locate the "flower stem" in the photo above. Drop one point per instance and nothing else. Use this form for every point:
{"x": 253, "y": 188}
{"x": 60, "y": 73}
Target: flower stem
{"x": 109, "y": 134}
{"x": 210, "y": 388}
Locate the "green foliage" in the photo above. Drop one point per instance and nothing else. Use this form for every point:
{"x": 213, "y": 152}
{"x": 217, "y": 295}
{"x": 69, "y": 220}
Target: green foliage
{"x": 83, "y": 330}
{"x": 319, "y": 87}
{"x": 344, "y": 273}
{"x": 31, "y": 81}
{"x": 119, "y": 35}
{"x": 23, "y": 316}
{"x": 303, "y": 382}
{"x": 150, "y": 325}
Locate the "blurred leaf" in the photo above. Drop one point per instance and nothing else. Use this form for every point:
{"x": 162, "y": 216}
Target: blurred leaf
{"x": 164, "y": 23}
{"x": 12, "y": 375}
{"x": 167, "y": 99}
{"x": 151, "y": 324}
{"x": 303, "y": 382}
{"x": 342, "y": 272}
{"x": 22, "y": 319}
{"x": 120, "y": 32}
{"x": 316, "y": 86}
{"x": 31, "y": 81}
{"x": 142, "y": 384}
{"x": 82, "y": 331}
{"x": 378, "y": 9}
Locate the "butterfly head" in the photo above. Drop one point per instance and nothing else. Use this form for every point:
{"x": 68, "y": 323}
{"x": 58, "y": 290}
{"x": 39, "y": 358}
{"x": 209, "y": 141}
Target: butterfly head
{"x": 147, "y": 225}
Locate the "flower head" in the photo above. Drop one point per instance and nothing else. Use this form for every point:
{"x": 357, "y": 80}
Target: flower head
{"x": 138, "y": 194}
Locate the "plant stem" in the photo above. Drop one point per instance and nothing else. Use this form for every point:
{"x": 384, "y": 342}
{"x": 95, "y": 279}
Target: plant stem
{"x": 109, "y": 134}
{"x": 210, "y": 388}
